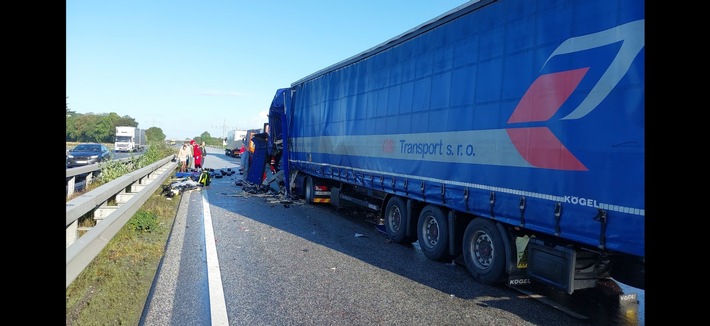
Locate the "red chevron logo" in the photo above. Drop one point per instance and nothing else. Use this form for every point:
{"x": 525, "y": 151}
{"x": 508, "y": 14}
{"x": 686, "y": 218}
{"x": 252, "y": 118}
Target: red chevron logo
{"x": 542, "y": 99}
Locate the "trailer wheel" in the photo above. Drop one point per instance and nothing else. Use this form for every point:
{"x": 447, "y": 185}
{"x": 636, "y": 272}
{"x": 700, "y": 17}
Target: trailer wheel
{"x": 396, "y": 220}
{"x": 483, "y": 251}
{"x": 433, "y": 233}
{"x": 308, "y": 190}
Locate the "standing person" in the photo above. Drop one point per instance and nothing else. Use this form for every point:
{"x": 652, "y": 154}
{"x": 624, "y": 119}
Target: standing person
{"x": 182, "y": 157}
{"x": 203, "y": 150}
{"x": 245, "y": 161}
{"x": 190, "y": 158}
{"x": 197, "y": 155}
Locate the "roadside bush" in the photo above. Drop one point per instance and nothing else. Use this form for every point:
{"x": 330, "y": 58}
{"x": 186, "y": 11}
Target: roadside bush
{"x": 143, "y": 221}
{"x": 114, "y": 169}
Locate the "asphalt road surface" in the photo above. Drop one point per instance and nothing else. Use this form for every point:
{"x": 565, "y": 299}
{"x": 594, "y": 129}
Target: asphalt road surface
{"x": 251, "y": 258}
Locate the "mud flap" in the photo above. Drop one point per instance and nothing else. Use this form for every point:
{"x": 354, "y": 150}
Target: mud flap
{"x": 517, "y": 274}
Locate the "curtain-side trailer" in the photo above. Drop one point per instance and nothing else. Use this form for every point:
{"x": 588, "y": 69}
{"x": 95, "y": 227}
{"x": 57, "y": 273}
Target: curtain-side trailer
{"x": 508, "y": 132}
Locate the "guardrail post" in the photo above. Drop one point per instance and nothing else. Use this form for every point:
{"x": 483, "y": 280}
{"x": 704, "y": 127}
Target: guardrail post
{"x": 103, "y": 211}
{"x": 89, "y": 179}
{"x": 72, "y": 231}
{"x": 71, "y": 186}
{"x": 139, "y": 185}
{"x": 123, "y": 197}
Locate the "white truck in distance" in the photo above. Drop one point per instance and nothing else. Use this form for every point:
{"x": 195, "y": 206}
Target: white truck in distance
{"x": 233, "y": 142}
{"x": 129, "y": 139}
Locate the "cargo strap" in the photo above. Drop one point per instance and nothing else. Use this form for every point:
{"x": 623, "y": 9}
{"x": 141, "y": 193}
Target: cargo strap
{"x": 465, "y": 198}
{"x": 443, "y": 194}
{"x": 492, "y": 202}
{"x": 423, "y": 194}
{"x": 522, "y": 210}
{"x": 558, "y": 215}
{"x": 601, "y": 217}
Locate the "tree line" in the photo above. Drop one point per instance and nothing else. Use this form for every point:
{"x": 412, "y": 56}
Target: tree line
{"x": 101, "y": 128}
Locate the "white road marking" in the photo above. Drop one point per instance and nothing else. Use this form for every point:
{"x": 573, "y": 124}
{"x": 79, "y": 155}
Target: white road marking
{"x": 218, "y": 307}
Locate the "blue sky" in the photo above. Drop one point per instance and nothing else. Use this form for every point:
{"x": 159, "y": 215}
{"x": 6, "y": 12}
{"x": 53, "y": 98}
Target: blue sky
{"x": 193, "y": 66}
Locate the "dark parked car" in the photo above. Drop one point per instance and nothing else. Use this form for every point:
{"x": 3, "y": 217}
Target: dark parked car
{"x": 89, "y": 153}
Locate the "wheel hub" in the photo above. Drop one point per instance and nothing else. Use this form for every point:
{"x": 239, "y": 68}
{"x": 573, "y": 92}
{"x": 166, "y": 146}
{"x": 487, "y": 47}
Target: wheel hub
{"x": 483, "y": 250}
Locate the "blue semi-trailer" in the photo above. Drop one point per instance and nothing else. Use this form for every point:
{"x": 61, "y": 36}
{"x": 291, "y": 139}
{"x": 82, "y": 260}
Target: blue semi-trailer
{"x": 509, "y": 132}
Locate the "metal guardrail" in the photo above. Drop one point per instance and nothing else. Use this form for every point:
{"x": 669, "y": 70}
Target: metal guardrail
{"x": 90, "y": 171}
{"x": 112, "y": 205}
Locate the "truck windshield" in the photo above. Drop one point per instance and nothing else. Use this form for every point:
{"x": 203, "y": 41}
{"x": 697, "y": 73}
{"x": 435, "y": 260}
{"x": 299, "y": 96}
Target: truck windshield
{"x": 123, "y": 138}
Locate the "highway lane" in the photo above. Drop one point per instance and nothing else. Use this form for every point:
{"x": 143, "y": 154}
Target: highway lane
{"x": 237, "y": 258}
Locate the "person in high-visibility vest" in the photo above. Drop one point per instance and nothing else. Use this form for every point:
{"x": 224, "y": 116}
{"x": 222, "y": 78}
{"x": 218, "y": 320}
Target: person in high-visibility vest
{"x": 252, "y": 146}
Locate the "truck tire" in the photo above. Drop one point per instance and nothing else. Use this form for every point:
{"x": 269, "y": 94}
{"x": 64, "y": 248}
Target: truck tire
{"x": 483, "y": 251}
{"x": 308, "y": 190}
{"x": 433, "y": 234}
{"x": 396, "y": 220}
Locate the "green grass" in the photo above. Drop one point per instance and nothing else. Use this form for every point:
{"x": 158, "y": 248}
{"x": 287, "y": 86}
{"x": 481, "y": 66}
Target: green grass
{"x": 113, "y": 288}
